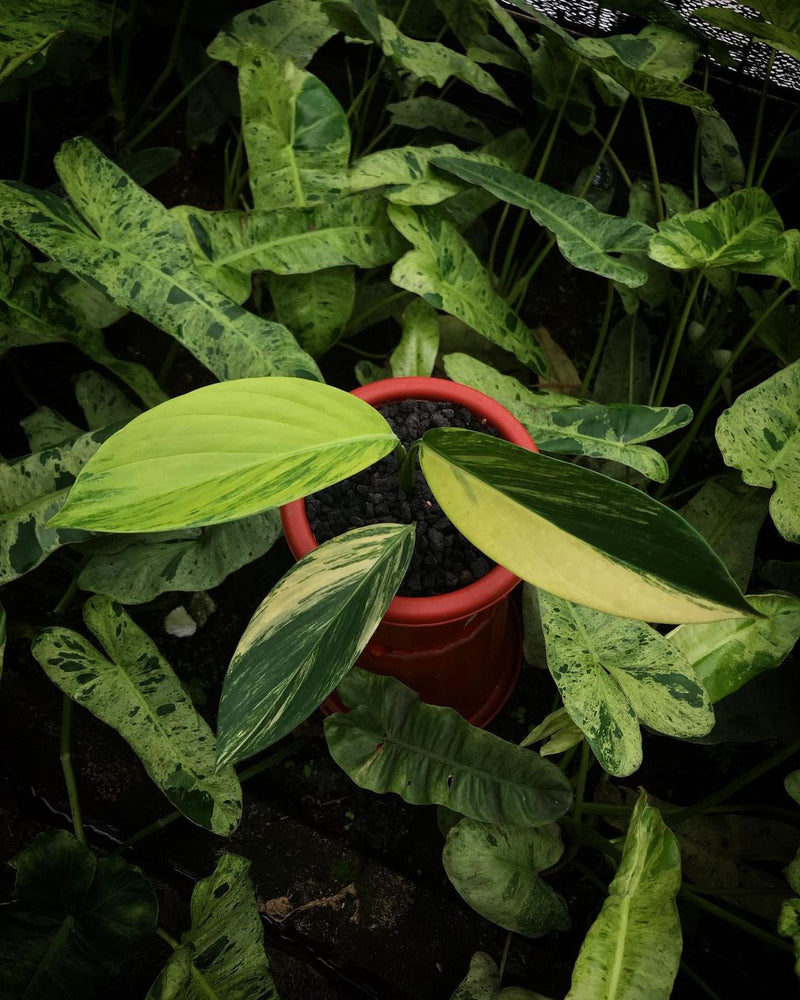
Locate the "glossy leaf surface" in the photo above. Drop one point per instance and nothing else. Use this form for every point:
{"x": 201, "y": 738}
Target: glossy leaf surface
{"x": 133, "y": 689}
{"x": 390, "y": 741}
{"x": 307, "y": 633}
{"x": 495, "y": 870}
{"x": 633, "y": 948}
{"x": 224, "y": 452}
{"x": 588, "y": 538}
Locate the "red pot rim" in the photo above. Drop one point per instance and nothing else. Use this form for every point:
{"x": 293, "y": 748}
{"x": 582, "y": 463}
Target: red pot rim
{"x": 475, "y": 597}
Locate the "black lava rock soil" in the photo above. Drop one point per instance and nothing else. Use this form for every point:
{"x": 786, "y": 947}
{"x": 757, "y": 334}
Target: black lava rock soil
{"x": 443, "y": 559}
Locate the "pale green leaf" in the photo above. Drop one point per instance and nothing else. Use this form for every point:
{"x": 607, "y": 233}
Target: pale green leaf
{"x": 792, "y": 785}
{"x": 136, "y": 569}
{"x": 588, "y": 538}
{"x": 759, "y": 435}
{"x": 102, "y": 401}
{"x": 134, "y": 690}
{"x": 45, "y": 429}
{"x": 415, "y": 355}
{"x": 291, "y": 29}
{"x": 495, "y": 869}
{"x": 482, "y": 982}
{"x": 307, "y": 633}
{"x": 226, "y": 451}
{"x": 570, "y": 426}
{"x": 558, "y": 732}
{"x": 315, "y": 307}
{"x": 614, "y": 673}
{"x": 222, "y": 955}
{"x": 721, "y": 163}
{"x": 726, "y": 655}
{"x": 406, "y": 171}
{"x": 633, "y": 948}
{"x": 390, "y": 741}
{"x": 789, "y": 926}
{"x": 444, "y": 271}
{"x": 367, "y": 371}
{"x": 733, "y": 232}
{"x": 433, "y": 113}
{"x": 137, "y": 255}
{"x": 587, "y": 238}
{"x": 295, "y": 132}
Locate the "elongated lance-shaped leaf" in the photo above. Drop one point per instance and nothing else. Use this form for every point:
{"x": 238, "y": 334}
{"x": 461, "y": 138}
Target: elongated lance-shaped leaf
{"x": 734, "y": 232}
{"x": 291, "y": 29}
{"x": 571, "y": 426}
{"x": 135, "y": 569}
{"x": 222, "y": 954}
{"x": 633, "y": 948}
{"x": 759, "y": 435}
{"x": 226, "y": 451}
{"x": 315, "y": 306}
{"x": 726, "y": 655}
{"x": 135, "y": 691}
{"x": 392, "y": 742}
{"x": 307, "y": 633}
{"x": 415, "y": 355}
{"x": 73, "y": 921}
{"x": 614, "y": 673}
{"x": 295, "y": 132}
{"x": 588, "y": 239}
{"x": 32, "y": 490}
{"x": 136, "y": 253}
{"x": 587, "y": 538}
{"x": 444, "y": 271}
{"x": 495, "y": 870}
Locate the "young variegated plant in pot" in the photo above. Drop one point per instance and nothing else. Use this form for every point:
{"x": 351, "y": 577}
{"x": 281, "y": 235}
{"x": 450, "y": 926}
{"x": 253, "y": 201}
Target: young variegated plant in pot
{"x": 231, "y": 449}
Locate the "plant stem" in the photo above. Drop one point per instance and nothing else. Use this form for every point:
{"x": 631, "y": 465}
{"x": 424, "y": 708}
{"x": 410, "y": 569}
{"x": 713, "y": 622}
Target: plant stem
{"x": 169, "y": 108}
{"x": 626, "y": 178}
{"x": 197, "y": 975}
{"x": 658, "y": 396}
{"x": 689, "y": 971}
{"x": 762, "y": 104}
{"x": 580, "y": 787}
{"x": 730, "y": 918}
{"x": 69, "y": 773}
{"x": 651, "y": 155}
{"x": 601, "y": 340}
{"x": 776, "y": 146}
{"x": 696, "y": 148}
{"x": 504, "y": 956}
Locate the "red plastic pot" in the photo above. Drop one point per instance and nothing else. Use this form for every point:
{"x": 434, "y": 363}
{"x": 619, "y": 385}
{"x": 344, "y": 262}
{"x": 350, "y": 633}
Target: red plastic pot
{"x": 461, "y": 649}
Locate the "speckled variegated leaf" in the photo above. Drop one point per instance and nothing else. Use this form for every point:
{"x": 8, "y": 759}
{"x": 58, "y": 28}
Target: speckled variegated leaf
{"x": 652, "y": 64}
{"x": 295, "y": 132}
{"x": 138, "y": 255}
{"x": 134, "y": 690}
{"x": 614, "y": 673}
{"x": 390, "y": 741}
{"x": 510, "y": 150}
{"x": 45, "y": 429}
{"x": 226, "y": 451}
{"x": 726, "y": 655}
{"x": 431, "y": 112}
{"x": 760, "y": 435}
{"x": 588, "y": 239}
{"x": 482, "y": 982}
{"x": 588, "y": 538}
{"x": 721, "y": 163}
{"x": 229, "y": 246}
{"x": 495, "y": 870}
{"x": 572, "y": 426}
{"x": 292, "y": 29}
{"x": 444, "y": 271}
{"x": 732, "y": 232}
{"x": 406, "y": 171}
{"x": 32, "y": 489}
{"x": 315, "y": 307}
{"x": 633, "y": 948}
{"x": 134, "y": 570}
{"x": 789, "y": 926}
{"x": 307, "y": 633}
{"x": 222, "y": 955}
{"x": 415, "y": 355}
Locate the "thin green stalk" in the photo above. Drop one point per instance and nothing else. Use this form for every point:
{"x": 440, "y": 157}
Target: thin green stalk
{"x": 580, "y": 787}
{"x": 601, "y": 340}
{"x": 200, "y": 980}
{"x": 26, "y": 137}
{"x": 408, "y": 467}
{"x": 632, "y": 352}
{"x": 696, "y": 148}
{"x": 69, "y": 772}
{"x": 776, "y": 146}
{"x": 762, "y": 104}
{"x": 169, "y": 108}
{"x": 626, "y": 178}
{"x": 683, "y": 322}
{"x": 651, "y": 156}
{"x": 562, "y": 107}
{"x": 735, "y": 921}
{"x": 14, "y": 64}
{"x": 504, "y": 956}
{"x": 689, "y": 971}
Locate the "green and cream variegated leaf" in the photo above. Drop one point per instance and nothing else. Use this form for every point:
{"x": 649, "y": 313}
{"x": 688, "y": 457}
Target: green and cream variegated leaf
{"x": 588, "y": 538}
{"x": 760, "y": 435}
{"x": 558, "y": 732}
{"x": 390, "y": 741}
{"x": 32, "y": 490}
{"x": 495, "y": 869}
{"x": 784, "y": 260}
{"x": 726, "y": 655}
{"x": 137, "y": 569}
{"x": 415, "y": 355}
{"x": 295, "y": 132}
{"x": 134, "y": 690}
{"x": 633, "y": 948}
{"x": 315, "y": 307}
{"x": 789, "y": 926}
{"x": 222, "y": 954}
{"x": 433, "y": 113}
{"x": 721, "y": 164}
{"x": 102, "y": 401}
{"x": 588, "y": 239}
{"x": 291, "y": 29}
{"x": 482, "y": 982}
{"x": 226, "y": 451}
{"x": 307, "y": 633}
{"x": 733, "y": 232}
{"x": 45, "y": 429}
{"x": 614, "y": 673}
{"x": 136, "y": 253}
{"x": 570, "y": 426}
{"x": 406, "y": 171}
{"x": 444, "y": 271}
